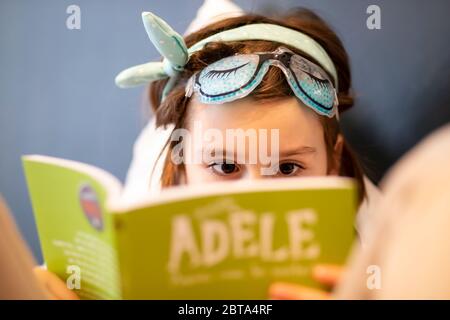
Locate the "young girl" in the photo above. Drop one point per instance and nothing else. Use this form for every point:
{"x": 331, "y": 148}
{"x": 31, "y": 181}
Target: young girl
{"x": 290, "y": 74}
{"x": 272, "y": 104}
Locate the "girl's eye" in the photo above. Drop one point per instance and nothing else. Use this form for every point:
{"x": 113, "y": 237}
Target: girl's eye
{"x": 224, "y": 168}
{"x": 288, "y": 168}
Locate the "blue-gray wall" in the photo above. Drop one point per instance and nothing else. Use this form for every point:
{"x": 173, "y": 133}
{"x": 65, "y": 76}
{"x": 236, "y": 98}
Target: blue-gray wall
{"x": 57, "y": 95}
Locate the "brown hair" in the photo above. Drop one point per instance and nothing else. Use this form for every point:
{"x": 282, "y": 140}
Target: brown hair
{"x": 274, "y": 85}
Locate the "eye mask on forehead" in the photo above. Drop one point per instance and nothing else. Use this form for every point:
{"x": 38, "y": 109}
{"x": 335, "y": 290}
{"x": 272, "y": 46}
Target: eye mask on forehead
{"x": 237, "y": 76}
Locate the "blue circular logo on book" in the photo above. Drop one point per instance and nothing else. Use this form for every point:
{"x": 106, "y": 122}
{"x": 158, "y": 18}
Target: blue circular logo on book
{"x": 91, "y": 207}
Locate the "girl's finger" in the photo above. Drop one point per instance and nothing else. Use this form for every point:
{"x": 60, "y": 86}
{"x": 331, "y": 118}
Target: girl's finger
{"x": 55, "y": 287}
{"x": 289, "y": 291}
{"x": 327, "y": 274}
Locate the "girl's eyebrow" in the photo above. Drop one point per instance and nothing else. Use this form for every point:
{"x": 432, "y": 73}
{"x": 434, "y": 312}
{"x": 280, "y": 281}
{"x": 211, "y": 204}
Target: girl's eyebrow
{"x": 297, "y": 151}
{"x": 283, "y": 153}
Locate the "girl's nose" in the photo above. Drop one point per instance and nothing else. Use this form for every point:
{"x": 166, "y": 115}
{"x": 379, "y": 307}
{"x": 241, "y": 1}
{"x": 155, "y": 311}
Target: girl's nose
{"x": 253, "y": 173}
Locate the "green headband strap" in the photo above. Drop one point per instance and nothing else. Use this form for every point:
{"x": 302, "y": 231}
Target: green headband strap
{"x": 172, "y": 47}
{"x": 275, "y": 33}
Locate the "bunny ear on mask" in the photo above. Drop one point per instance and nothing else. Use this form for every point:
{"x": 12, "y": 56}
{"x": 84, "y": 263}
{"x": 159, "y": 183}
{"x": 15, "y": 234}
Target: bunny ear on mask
{"x": 170, "y": 45}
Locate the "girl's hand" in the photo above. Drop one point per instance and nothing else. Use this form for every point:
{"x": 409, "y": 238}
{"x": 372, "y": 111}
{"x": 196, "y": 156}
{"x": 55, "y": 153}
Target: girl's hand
{"x": 328, "y": 275}
{"x": 55, "y": 287}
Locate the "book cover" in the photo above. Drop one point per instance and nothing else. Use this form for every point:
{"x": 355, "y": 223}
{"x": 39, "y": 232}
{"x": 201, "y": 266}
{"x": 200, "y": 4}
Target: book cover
{"x": 221, "y": 241}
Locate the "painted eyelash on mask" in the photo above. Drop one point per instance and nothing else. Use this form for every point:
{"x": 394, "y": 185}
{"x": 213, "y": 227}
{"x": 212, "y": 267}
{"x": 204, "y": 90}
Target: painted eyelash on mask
{"x": 223, "y": 73}
{"x": 323, "y": 84}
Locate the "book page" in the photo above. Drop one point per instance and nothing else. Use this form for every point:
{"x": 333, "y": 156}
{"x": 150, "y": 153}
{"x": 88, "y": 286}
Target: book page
{"x": 74, "y": 225}
{"x": 232, "y": 243}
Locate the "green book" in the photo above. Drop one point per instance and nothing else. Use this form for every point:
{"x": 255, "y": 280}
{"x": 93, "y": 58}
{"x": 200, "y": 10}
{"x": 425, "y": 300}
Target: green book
{"x": 220, "y": 241}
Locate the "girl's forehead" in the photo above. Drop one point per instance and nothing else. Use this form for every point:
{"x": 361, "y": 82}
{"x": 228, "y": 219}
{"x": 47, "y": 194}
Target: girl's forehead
{"x": 288, "y": 115}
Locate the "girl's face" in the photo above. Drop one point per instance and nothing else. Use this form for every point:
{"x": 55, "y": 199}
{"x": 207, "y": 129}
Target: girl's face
{"x": 302, "y": 150}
